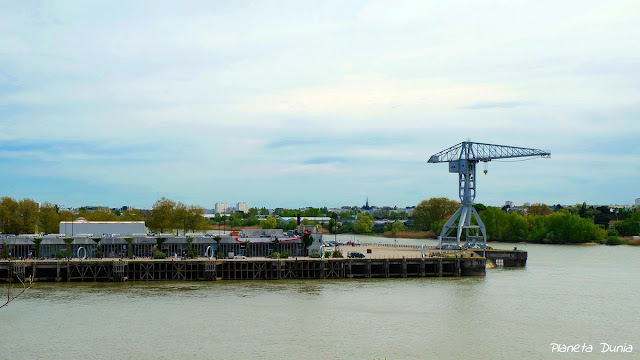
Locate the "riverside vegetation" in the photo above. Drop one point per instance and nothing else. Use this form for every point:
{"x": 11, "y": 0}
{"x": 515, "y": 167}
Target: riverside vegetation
{"x": 540, "y": 223}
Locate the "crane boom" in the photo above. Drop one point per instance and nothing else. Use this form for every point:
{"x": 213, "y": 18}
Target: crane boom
{"x": 462, "y": 159}
{"x": 473, "y": 151}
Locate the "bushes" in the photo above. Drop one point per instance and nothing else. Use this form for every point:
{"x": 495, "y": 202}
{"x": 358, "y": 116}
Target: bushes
{"x": 558, "y": 228}
{"x": 157, "y": 254}
{"x": 315, "y": 253}
{"x": 284, "y": 255}
{"x": 275, "y": 255}
{"x": 614, "y": 240}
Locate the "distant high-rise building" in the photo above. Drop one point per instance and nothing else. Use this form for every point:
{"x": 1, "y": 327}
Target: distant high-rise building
{"x": 242, "y": 206}
{"x": 638, "y": 202}
{"x": 221, "y": 208}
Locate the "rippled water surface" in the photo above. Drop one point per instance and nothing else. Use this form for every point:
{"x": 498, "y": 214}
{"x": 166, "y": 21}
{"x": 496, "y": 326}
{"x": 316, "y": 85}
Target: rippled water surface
{"x": 566, "y": 294}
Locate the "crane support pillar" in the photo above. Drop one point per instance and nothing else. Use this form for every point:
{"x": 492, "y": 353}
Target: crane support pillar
{"x": 461, "y": 224}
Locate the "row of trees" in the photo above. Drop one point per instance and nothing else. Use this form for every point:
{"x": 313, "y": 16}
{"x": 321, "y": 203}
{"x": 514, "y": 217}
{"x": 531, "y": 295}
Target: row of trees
{"x": 26, "y": 217}
{"x": 556, "y": 228}
{"x": 168, "y": 215}
{"x": 540, "y": 225}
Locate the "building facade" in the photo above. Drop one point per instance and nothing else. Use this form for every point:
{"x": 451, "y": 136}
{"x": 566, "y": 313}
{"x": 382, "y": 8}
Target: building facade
{"x": 243, "y": 207}
{"x": 99, "y": 228}
{"x": 221, "y": 208}
{"x": 54, "y": 245}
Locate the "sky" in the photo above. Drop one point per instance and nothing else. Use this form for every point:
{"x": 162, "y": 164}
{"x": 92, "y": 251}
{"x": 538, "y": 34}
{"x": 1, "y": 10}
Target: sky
{"x": 316, "y": 103}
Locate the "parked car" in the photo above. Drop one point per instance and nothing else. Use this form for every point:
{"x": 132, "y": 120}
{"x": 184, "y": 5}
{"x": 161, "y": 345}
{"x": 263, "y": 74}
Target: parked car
{"x": 355, "y": 254}
{"x": 239, "y": 256}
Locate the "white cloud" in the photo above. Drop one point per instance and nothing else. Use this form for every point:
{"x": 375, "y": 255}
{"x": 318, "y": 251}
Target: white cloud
{"x": 208, "y": 88}
{"x": 369, "y": 95}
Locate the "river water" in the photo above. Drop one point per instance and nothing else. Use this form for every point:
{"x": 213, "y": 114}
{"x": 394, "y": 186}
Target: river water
{"x": 566, "y": 295}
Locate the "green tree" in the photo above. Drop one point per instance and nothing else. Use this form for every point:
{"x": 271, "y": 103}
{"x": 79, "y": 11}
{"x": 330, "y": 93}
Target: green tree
{"x": 48, "y": 220}
{"x": 582, "y": 211}
{"x": 217, "y": 239}
{"x": 539, "y": 209}
{"x": 131, "y": 215}
{"x": 269, "y": 223}
{"x": 67, "y": 251}
{"x": 251, "y": 220}
{"x": 276, "y": 244}
{"x": 102, "y": 214}
{"x": 162, "y": 215}
{"x": 98, "y": 247}
{"x": 364, "y": 224}
{"x": 157, "y": 252}
{"x": 307, "y": 240}
{"x": 180, "y": 217}
{"x": 479, "y": 207}
{"x": 5, "y": 250}
{"x": 28, "y": 215}
{"x": 629, "y": 226}
{"x": 247, "y": 245}
{"x": 192, "y": 252}
{"x": 434, "y": 209}
{"x": 332, "y": 225}
{"x": 195, "y": 219}
{"x": 291, "y": 225}
{"x": 397, "y": 227}
{"x": 9, "y": 210}
{"x": 129, "y": 247}
{"x": 37, "y": 242}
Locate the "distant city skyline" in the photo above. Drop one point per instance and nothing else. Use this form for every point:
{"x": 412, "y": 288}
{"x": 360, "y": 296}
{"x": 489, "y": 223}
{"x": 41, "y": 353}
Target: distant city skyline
{"x": 226, "y": 209}
{"x": 293, "y": 104}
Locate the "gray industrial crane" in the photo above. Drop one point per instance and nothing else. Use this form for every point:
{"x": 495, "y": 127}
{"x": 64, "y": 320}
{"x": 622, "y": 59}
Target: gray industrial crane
{"x": 462, "y": 159}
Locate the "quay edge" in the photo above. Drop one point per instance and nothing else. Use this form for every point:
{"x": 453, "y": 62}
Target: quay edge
{"x": 238, "y": 269}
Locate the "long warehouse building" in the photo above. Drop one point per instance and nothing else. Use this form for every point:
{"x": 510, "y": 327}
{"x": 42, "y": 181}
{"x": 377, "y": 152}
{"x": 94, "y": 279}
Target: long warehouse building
{"x": 99, "y": 228}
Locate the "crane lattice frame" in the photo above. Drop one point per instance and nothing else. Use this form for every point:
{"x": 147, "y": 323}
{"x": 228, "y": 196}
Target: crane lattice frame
{"x": 462, "y": 159}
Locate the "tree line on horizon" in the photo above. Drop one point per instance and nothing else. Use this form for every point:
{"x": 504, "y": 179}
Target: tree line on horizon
{"x": 541, "y": 224}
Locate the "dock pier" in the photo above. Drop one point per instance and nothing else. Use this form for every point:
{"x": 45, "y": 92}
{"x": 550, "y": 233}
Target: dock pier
{"x": 237, "y": 269}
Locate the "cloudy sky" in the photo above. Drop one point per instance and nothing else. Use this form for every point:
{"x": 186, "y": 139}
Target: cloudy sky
{"x": 305, "y": 103}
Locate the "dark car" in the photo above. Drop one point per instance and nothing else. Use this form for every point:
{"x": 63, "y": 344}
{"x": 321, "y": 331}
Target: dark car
{"x": 355, "y": 254}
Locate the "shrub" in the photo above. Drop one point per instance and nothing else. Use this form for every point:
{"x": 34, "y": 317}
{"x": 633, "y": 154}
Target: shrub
{"x": 284, "y": 255}
{"x": 157, "y": 254}
{"x": 612, "y": 232}
{"x": 613, "y": 240}
{"x": 59, "y": 255}
{"x": 327, "y": 254}
{"x": 275, "y": 255}
{"x": 337, "y": 254}
{"x": 315, "y": 253}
